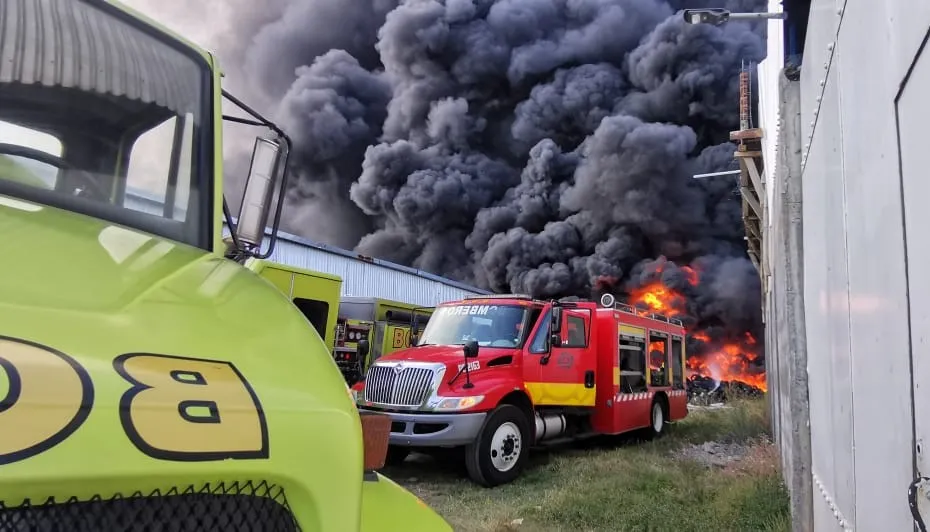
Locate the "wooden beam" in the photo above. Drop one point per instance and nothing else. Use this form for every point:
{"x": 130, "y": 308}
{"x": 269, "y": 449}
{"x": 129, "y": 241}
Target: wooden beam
{"x": 753, "y": 202}
{"x": 750, "y": 166}
{"x": 746, "y": 134}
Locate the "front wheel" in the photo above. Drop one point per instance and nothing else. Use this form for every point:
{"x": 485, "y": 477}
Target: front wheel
{"x": 396, "y": 455}
{"x": 498, "y": 454}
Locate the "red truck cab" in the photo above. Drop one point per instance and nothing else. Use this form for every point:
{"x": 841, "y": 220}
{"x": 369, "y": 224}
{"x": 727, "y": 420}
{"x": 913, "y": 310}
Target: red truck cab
{"x": 497, "y": 375}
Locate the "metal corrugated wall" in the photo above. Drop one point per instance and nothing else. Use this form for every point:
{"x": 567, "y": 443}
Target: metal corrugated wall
{"x": 364, "y": 279}
{"x": 863, "y": 172}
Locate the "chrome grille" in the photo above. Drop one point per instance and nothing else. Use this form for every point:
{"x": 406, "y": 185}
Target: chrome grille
{"x": 408, "y": 387}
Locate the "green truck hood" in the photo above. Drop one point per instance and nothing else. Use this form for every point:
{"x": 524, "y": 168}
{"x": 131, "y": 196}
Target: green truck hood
{"x": 94, "y": 293}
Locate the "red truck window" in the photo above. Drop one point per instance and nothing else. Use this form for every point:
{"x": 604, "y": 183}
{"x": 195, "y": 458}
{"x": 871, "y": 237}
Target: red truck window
{"x": 577, "y": 334}
{"x": 677, "y": 370}
{"x": 658, "y": 359}
{"x": 632, "y": 364}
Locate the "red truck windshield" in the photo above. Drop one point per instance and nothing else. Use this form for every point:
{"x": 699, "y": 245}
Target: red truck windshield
{"x": 489, "y": 325}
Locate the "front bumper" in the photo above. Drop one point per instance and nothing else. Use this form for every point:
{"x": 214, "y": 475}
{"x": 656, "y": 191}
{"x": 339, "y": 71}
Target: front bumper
{"x": 433, "y": 430}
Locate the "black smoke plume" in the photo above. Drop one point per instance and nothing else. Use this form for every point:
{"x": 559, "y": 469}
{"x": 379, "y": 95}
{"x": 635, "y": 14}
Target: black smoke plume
{"x": 539, "y": 146}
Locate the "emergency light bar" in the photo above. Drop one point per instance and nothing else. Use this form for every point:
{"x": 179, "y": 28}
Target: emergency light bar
{"x": 500, "y": 296}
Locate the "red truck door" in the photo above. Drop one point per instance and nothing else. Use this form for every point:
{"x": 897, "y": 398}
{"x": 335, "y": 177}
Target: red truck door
{"x": 563, "y": 375}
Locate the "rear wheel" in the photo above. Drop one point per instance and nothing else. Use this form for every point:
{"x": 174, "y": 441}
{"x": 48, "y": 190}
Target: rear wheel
{"x": 657, "y": 418}
{"x": 498, "y": 454}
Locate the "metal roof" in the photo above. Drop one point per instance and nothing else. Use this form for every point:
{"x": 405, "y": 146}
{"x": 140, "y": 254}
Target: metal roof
{"x": 61, "y": 43}
{"x": 362, "y": 276}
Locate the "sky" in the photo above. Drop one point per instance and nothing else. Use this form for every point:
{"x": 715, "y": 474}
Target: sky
{"x": 202, "y": 21}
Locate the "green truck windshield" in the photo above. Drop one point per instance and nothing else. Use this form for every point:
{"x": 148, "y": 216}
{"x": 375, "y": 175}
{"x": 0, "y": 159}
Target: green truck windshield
{"x": 102, "y": 116}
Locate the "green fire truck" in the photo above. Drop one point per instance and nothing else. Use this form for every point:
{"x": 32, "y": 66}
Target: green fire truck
{"x": 149, "y": 379}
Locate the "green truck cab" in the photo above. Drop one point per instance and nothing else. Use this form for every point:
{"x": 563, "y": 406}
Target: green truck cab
{"x": 149, "y": 379}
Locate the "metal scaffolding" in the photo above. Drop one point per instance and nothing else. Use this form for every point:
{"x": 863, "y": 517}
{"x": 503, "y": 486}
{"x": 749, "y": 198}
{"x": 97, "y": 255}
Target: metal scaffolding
{"x": 752, "y": 179}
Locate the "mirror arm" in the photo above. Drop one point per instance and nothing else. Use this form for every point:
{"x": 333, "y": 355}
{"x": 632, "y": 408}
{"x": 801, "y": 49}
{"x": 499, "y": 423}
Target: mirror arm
{"x": 237, "y": 252}
{"x": 468, "y": 383}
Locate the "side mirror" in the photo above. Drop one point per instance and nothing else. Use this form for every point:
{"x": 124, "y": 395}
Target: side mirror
{"x": 556, "y": 326}
{"x": 555, "y": 340}
{"x": 471, "y": 349}
{"x": 414, "y": 329}
{"x": 259, "y": 191}
{"x": 362, "y": 351}
{"x": 363, "y": 348}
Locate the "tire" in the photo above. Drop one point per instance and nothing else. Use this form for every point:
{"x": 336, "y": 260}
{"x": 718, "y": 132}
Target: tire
{"x": 396, "y": 455}
{"x": 499, "y": 452}
{"x": 658, "y": 418}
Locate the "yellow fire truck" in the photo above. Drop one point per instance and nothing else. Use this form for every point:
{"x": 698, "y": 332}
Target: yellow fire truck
{"x": 149, "y": 379}
{"x": 378, "y": 326}
{"x": 356, "y": 330}
{"x": 315, "y": 294}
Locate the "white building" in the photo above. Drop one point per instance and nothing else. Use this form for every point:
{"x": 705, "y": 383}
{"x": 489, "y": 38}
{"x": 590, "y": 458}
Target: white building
{"x": 361, "y": 276}
{"x": 848, "y": 302}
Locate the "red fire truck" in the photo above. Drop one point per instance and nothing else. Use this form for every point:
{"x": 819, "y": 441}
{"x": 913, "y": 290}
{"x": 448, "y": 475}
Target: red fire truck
{"x": 496, "y": 375}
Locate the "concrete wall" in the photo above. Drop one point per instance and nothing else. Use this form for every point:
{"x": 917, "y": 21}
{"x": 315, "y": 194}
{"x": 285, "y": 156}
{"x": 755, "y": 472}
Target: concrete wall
{"x": 784, "y": 307}
{"x": 863, "y": 164}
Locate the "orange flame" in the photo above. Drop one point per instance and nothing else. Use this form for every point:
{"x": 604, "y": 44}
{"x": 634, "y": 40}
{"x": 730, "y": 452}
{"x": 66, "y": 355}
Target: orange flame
{"x": 730, "y": 363}
{"x": 659, "y": 299}
{"x": 656, "y": 354}
{"x": 727, "y": 361}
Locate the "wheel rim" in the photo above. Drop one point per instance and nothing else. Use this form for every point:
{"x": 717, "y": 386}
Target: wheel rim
{"x": 506, "y": 445}
{"x": 657, "y": 417}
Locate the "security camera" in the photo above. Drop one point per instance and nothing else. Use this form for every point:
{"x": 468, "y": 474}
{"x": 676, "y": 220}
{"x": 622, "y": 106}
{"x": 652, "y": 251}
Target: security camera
{"x": 714, "y": 16}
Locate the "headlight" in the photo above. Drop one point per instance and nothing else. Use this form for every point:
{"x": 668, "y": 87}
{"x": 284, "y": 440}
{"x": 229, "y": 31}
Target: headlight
{"x": 448, "y": 404}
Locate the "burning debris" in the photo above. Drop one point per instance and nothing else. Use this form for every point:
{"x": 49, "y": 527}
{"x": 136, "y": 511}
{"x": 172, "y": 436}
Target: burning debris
{"x": 705, "y": 391}
{"x": 724, "y": 357}
{"x": 542, "y": 146}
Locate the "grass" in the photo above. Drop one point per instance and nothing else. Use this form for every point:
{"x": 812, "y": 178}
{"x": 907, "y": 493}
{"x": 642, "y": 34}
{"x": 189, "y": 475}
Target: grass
{"x": 623, "y": 484}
